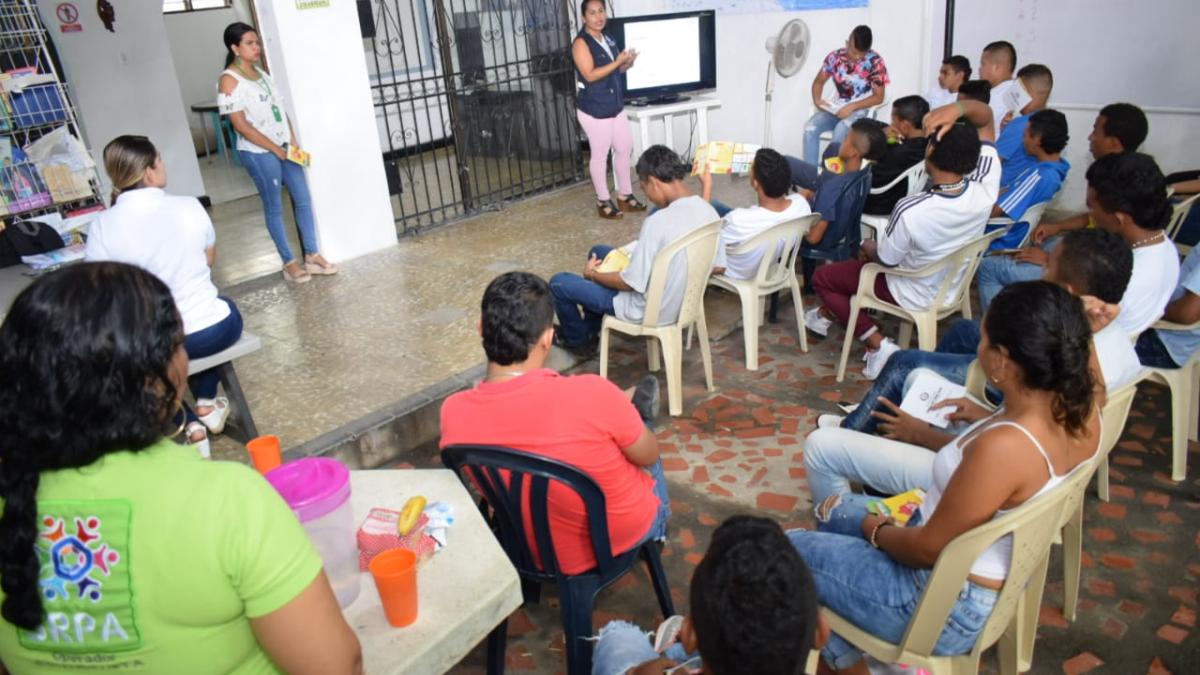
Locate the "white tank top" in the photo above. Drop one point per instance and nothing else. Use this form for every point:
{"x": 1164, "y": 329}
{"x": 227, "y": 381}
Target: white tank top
{"x": 992, "y": 563}
{"x": 262, "y": 102}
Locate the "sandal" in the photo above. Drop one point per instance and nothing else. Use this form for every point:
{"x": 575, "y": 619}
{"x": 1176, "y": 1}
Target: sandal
{"x": 215, "y": 420}
{"x": 299, "y": 277}
{"x": 607, "y": 209}
{"x": 630, "y": 202}
{"x": 318, "y": 265}
{"x": 202, "y": 447}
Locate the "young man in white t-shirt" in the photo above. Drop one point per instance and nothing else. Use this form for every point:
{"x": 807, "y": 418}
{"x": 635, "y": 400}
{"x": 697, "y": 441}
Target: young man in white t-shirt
{"x": 965, "y": 175}
{"x": 1127, "y": 195}
{"x": 996, "y": 65}
{"x": 771, "y": 178}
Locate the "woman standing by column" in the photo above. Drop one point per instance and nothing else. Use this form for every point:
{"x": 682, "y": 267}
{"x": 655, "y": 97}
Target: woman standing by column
{"x": 600, "y": 107}
{"x": 249, "y": 97}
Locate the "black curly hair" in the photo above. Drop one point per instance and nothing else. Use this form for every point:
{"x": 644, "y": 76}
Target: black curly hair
{"x": 1096, "y": 262}
{"x": 661, "y": 162}
{"x": 957, "y": 151}
{"x": 84, "y": 359}
{"x": 976, "y": 90}
{"x": 1127, "y": 123}
{"x": 753, "y": 601}
{"x": 1046, "y": 333}
{"x": 772, "y": 172}
{"x": 517, "y": 308}
{"x": 1131, "y": 183}
{"x": 1051, "y": 126}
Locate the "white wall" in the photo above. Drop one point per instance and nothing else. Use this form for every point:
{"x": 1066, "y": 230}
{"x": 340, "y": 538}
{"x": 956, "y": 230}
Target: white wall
{"x": 124, "y": 83}
{"x": 196, "y": 47}
{"x": 1102, "y": 51}
{"x": 329, "y": 100}
{"x": 901, "y": 37}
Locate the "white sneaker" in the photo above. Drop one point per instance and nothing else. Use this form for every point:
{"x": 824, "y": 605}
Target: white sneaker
{"x": 829, "y": 421}
{"x": 816, "y": 323}
{"x": 877, "y": 359}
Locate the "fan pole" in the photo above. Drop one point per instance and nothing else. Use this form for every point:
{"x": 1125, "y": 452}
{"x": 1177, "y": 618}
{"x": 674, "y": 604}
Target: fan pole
{"x": 770, "y": 88}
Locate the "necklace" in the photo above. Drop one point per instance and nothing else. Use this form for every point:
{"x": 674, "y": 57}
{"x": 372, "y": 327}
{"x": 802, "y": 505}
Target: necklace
{"x": 1148, "y": 240}
{"x": 949, "y": 187}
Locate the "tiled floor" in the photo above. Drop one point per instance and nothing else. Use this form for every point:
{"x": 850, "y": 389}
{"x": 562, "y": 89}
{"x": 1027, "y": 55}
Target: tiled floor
{"x": 394, "y": 322}
{"x": 740, "y": 449}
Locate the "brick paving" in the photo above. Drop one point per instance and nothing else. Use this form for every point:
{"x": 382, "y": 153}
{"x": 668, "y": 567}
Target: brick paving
{"x": 740, "y": 449}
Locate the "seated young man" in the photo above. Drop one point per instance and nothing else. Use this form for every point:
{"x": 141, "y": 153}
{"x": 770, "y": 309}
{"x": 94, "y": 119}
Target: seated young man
{"x": 581, "y": 420}
{"x": 582, "y": 301}
{"x": 1095, "y": 263}
{"x": 771, "y": 179}
{"x": 975, "y": 90}
{"x": 1045, "y": 137}
{"x": 905, "y": 148}
{"x": 1120, "y": 127}
{"x": 924, "y": 229}
{"x": 1088, "y": 263}
{"x": 1163, "y": 348}
{"x": 996, "y": 65}
{"x": 1015, "y": 156}
{"x": 866, "y": 141}
{"x": 753, "y": 612}
{"x": 954, "y": 72}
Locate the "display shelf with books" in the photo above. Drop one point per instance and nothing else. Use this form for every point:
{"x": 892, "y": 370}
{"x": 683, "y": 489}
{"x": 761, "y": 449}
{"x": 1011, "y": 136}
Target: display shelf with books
{"x": 44, "y": 165}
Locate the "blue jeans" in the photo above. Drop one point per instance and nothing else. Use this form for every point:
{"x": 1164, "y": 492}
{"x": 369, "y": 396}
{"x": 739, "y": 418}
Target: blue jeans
{"x": 998, "y": 271}
{"x": 835, "y": 457}
{"x": 572, "y": 293}
{"x": 658, "y": 530}
{"x": 268, "y": 173}
{"x": 803, "y": 174}
{"x": 869, "y": 588}
{"x": 622, "y": 646}
{"x": 819, "y": 123}
{"x": 206, "y": 342}
{"x": 891, "y": 381}
{"x": 962, "y": 338}
{"x": 1151, "y": 351}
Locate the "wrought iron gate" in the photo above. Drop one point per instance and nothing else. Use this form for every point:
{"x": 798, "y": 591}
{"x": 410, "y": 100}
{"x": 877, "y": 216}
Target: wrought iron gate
{"x": 475, "y": 103}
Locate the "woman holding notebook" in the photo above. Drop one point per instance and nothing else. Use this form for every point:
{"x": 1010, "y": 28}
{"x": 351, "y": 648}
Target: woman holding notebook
{"x": 600, "y": 107}
{"x": 254, "y": 104}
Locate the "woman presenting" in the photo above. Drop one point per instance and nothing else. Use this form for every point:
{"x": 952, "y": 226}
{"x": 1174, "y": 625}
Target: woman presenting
{"x": 600, "y": 107}
{"x": 249, "y": 97}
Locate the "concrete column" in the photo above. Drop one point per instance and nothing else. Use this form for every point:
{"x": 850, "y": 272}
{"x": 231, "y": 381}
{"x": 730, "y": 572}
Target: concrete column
{"x": 316, "y": 56}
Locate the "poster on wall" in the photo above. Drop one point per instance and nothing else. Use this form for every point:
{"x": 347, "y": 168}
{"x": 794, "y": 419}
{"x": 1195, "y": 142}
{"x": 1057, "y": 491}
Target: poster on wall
{"x": 760, "y": 6}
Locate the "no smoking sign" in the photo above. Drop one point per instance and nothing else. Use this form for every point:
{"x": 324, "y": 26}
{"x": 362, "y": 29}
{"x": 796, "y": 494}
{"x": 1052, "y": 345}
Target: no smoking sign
{"x": 68, "y": 16}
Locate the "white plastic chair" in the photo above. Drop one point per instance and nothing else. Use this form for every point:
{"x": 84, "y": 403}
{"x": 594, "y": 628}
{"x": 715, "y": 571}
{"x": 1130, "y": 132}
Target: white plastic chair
{"x": 1184, "y": 384}
{"x": 699, "y": 249}
{"x": 776, "y": 272}
{"x": 1033, "y": 216}
{"x": 1179, "y": 213}
{"x": 1032, "y": 526}
{"x": 916, "y": 177}
{"x": 959, "y": 266}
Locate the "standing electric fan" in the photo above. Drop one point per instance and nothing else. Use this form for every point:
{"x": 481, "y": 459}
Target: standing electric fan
{"x": 788, "y": 51}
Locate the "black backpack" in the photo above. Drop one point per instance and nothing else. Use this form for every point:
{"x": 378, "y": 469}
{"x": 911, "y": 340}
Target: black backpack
{"x": 27, "y": 237}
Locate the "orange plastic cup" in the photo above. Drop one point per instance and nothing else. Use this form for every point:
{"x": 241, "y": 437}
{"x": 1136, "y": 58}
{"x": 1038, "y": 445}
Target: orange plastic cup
{"x": 265, "y": 453}
{"x": 395, "y": 573}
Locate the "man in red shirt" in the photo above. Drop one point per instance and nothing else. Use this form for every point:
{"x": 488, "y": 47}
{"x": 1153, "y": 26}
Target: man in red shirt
{"x": 583, "y": 420}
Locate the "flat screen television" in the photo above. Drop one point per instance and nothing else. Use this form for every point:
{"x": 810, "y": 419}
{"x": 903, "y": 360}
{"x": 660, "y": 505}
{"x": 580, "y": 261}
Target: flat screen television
{"x": 677, "y": 53}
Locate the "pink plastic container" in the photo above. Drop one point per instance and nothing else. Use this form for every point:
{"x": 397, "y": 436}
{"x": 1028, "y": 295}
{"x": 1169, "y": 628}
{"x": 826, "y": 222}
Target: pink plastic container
{"x": 318, "y": 491}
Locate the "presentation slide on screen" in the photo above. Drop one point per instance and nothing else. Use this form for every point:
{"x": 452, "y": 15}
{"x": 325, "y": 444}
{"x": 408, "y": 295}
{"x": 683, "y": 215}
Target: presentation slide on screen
{"x": 668, "y": 52}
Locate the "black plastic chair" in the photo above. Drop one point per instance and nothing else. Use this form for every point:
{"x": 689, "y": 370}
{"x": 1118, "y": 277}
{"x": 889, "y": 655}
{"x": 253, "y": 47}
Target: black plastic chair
{"x": 484, "y": 467}
{"x": 843, "y": 236}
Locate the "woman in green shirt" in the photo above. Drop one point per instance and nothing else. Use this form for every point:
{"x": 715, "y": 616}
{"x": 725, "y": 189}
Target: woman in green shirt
{"x": 119, "y": 549}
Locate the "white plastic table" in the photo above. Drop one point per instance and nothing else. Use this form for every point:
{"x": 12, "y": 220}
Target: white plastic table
{"x": 697, "y": 105}
{"x": 464, "y": 591}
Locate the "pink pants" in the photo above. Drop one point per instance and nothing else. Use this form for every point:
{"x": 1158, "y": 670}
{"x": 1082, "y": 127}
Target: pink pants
{"x": 612, "y": 133}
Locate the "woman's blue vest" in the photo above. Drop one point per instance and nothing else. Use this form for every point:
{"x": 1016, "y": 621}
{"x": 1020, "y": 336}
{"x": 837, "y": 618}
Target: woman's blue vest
{"x": 603, "y": 98}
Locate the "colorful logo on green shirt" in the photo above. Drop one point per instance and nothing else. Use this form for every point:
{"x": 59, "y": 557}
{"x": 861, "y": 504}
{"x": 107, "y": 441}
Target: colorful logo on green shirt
{"x": 86, "y": 590}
